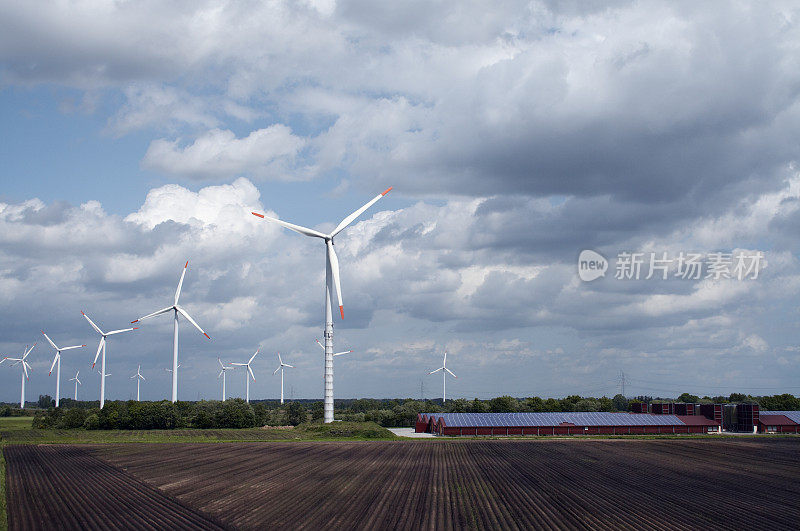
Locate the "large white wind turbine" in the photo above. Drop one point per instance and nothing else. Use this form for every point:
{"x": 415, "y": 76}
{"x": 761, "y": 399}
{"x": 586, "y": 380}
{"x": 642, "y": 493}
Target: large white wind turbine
{"x": 331, "y": 282}
{"x": 24, "y": 372}
{"x": 444, "y": 369}
{"x": 176, "y": 310}
{"x": 57, "y": 363}
{"x": 248, "y": 373}
{"x": 281, "y": 365}
{"x": 102, "y": 348}
{"x": 223, "y": 370}
{"x": 77, "y": 383}
{"x": 139, "y": 379}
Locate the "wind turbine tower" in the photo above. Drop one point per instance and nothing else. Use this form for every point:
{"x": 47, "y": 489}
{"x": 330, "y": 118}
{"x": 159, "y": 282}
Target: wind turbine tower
{"x": 223, "y": 370}
{"x": 23, "y": 373}
{"x": 444, "y": 370}
{"x": 57, "y": 362}
{"x": 281, "y": 365}
{"x": 247, "y": 374}
{"x": 139, "y": 379}
{"x": 331, "y": 282}
{"x": 77, "y": 383}
{"x": 102, "y": 347}
{"x": 176, "y": 310}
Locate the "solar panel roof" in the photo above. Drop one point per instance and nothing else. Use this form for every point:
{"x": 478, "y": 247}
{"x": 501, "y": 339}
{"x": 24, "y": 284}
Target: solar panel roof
{"x": 794, "y": 416}
{"x": 460, "y": 420}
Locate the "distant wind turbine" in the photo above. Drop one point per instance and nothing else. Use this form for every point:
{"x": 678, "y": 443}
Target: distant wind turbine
{"x": 102, "y": 347}
{"x": 444, "y": 369}
{"x": 24, "y": 372}
{"x": 248, "y": 373}
{"x": 139, "y": 379}
{"x": 77, "y": 382}
{"x": 57, "y": 362}
{"x": 222, "y": 372}
{"x": 281, "y": 365}
{"x": 177, "y": 310}
{"x": 331, "y": 282}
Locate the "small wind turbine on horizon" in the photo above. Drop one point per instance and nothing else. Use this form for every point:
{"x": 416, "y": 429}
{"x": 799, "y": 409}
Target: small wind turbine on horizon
{"x": 444, "y": 369}
{"x": 57, "y": 362}
{"x": 139, "y": 379}
{"x": 177, "y": 310}
{"x": 222, "y": 372}
{"x": 77, "y": 382}
{"x": 248, "y": 373}
{"x": 281, "y": 365}
{"x": 102, "y": 347}
{"x": 24, "y": 373}
{"x": 331, "y": 282}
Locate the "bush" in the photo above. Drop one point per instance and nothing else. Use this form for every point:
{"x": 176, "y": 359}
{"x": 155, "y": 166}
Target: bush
{"x": 296, "y": 414}
{"x": 92, "y": 422}
{"x": 235, "y": 413}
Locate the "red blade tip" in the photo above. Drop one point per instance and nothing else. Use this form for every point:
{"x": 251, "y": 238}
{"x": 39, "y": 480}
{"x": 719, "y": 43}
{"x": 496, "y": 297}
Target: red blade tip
{"x": 341, "y": 311}
{"x": 187, "y": 264}
{"x": 92, "y": 365}
{"x": 257, "y": 214}
{"x": 135, "y": 327}
{"x": 136, "y": 321}
{"x": 388, "y": 190}
{"x": 208, "y": 336}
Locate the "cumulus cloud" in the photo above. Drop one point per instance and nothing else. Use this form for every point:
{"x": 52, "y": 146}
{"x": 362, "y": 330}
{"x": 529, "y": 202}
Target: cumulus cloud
{"x": 268, "y": 152}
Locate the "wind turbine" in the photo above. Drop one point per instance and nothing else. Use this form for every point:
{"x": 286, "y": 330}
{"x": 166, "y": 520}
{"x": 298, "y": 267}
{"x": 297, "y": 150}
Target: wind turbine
{"x": 222, "y": 374}
{"x": 102, "y": 347}
{"x": 248, "y": 373}
{"x": 24, "y": 373}
{"x": 139, "y": 379}
{"x": 57, "y": 362}
{"x": 280, "y": 368}
{"x": 444, "y": 369}
{"x": 77, "y": 382}
{"x": 177, "y": 310}
{"x": 331, "y": 282}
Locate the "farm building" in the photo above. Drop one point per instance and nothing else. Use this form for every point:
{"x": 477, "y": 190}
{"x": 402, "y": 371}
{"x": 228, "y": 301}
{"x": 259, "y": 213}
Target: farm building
{"x": 779, "y": 422}
{"x": 568, "y": 423}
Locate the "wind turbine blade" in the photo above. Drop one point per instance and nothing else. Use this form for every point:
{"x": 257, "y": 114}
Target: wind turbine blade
{"x": 49, "y": 340}
{"x": 142, "y": 377}
{"x": 345, "y": 352}
{"x": 79, "y": 382}
{"x": 220, "y": 364}
{"x": 253, "y": 356}
{"x": 320, "y": 344}
{"x": 149, "y": 315}
{"x": 238, "y": 364}
{"x": 28, "y": 351}
{"x": 55, "y": 359}
{"x": 134, "y": 376}
{"x": 220, "y": 374}
{"x": 451, "y": 372}
{"x": 276, "y": 370}
{"x": 121, "y": 330}
{"x": 25, "y": 369}
{"x": 349, "y": 219}
{"x": 180, "y": 283}
{"x": 70, "y": 348}
{"x": 291, "y": 226}
{"x": 335, "y": 270}
{"x": 279, "y": 358}
{"x": 99, "y": 348}
{"x": 251, "y": 373}
{"x": 97, "y": 328}
{"x": 444, "y": 362}
{"x": 189, "y": 318}
{"x": 287, "y": 365}
{"x": 437, "y": 370}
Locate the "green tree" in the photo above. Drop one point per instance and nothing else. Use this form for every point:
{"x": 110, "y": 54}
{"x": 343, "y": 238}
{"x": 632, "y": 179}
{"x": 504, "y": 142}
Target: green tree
{"x": 296, "y": 414}
{"x": 620, "y": 403}
{"x": 503, "y": 404}
{"x": 690, "y": 399}
{"x": 46, "y": 402}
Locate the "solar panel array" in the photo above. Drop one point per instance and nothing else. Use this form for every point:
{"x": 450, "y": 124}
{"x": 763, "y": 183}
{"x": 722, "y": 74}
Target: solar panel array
{"x": 463, "y": 420}
{"x": 794, "y": 416}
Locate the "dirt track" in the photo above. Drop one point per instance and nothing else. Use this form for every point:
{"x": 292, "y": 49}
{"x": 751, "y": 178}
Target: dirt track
{"x": 569, "y": 484}
{"x": 62, "y": 487}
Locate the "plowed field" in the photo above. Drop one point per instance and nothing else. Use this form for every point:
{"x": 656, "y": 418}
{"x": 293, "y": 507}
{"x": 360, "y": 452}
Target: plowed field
{"x": 565, "y": 484}
{"x": 62, "y": 487}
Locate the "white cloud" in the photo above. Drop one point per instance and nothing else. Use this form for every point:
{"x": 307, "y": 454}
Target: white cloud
{"x": 264, "y": 153}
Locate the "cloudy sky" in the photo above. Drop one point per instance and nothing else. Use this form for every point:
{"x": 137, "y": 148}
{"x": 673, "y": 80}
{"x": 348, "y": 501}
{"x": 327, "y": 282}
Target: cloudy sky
{"x": 138, "y": 135}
